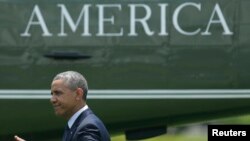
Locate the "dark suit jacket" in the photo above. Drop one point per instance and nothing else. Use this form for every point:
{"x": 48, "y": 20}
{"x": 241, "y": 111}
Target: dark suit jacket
{"x": 88, "y": 127}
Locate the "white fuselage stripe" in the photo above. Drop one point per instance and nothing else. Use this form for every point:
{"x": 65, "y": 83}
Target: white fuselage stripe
{"x": 135, "y": 94}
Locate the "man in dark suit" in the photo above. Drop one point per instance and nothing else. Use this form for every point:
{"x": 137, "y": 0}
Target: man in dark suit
{"x": 68, "y": 96}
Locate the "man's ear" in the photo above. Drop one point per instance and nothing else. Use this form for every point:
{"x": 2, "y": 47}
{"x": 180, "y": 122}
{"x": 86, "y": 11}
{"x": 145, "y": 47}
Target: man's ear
{"x": 79, "y": 93}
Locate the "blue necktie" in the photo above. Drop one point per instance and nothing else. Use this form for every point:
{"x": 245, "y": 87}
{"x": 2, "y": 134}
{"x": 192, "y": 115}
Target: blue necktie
{"x": 66, "y": 135}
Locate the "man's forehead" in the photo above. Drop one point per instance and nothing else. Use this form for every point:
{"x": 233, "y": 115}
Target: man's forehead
{"x": 57, "y": 81}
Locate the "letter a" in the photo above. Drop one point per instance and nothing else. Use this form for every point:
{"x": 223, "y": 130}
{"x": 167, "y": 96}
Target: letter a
{"x": 220, "y": 20}
{"x": 40, "y": 21}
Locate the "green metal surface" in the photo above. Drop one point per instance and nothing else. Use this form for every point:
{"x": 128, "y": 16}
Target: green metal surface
{"x": 159, "y": 61}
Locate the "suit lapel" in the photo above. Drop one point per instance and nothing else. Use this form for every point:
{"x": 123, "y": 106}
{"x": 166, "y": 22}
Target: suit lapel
{"x": 77, "y": 122}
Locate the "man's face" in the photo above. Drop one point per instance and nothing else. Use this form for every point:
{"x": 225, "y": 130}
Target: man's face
{"x": 63, "y": 99}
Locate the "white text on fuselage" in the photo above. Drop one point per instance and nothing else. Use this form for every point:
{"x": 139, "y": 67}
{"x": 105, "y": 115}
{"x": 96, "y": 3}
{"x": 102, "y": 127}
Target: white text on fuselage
{"x": 82, "y": 23}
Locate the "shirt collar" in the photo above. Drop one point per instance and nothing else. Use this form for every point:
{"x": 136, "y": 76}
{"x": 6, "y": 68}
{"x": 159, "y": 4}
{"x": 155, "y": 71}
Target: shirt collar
{"x": 76, "y": 115}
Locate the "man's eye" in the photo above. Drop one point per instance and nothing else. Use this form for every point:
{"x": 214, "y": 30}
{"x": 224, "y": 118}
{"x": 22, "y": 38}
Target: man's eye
{"x": 58, "y": 94}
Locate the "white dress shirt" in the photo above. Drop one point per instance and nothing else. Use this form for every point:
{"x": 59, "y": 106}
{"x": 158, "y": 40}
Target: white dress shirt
{"x": 76, "y": 115}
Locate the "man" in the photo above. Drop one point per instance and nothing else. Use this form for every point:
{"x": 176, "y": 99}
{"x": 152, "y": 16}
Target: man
{"x": 68, "y": 96}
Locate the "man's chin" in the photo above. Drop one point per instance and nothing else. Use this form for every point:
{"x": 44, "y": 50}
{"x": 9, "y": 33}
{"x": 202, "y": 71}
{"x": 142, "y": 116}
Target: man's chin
{"x": 60, "y": 114}
{"x": 57, "y": 113}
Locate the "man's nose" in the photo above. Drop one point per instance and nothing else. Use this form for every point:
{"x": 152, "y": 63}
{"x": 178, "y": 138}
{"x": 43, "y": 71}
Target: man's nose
{"x": 53, "y": 99}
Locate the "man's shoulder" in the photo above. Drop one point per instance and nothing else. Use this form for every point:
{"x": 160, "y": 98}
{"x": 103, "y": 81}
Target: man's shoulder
{"x": 91, "y": 119}
{"x": 92, "y": 127}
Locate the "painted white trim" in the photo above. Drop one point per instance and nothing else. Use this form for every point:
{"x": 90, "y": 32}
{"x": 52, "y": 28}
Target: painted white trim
{"x": 136, "y": 94}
